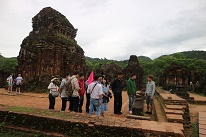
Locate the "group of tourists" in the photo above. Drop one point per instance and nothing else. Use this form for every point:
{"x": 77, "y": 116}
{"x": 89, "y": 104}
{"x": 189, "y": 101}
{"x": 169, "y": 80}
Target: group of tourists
{"x": 73, "y": 89}
{"x": 17, "y": 82}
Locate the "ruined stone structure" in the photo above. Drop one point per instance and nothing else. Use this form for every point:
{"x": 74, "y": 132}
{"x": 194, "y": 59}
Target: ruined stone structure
{"x": 3, "y": 76}
{"x": 50, "y": 49}
{"x": 109, "y": 70}
{"x": 134, "y": 67}
{"x": 175, "y": 75}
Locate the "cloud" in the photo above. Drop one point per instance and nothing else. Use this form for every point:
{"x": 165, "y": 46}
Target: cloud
{"x": 185, "y": 32}
{"x": 114, "y": 29}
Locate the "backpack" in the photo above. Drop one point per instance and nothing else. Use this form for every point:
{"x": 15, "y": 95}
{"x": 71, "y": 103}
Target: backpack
{"x": 7, "y": 79}
{"x": 69, "y": 88}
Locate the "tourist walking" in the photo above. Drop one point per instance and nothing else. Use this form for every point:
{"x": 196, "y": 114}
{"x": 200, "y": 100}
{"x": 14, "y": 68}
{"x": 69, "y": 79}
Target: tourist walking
{"x": 106, "y": 94}
{"x": 131, "y": 91}
{"x": 74, "y": 100}
{"x": 19, "y": 80}
{"x": 149, "y": 93}
{"x": 53, "y": 92}
{"x": 81, "y": 91}
{"x": 63, "y": 94}
{"x": 117, "y": 90}
{"x": 95, "y": 90}
{"x": 10, "y": 83}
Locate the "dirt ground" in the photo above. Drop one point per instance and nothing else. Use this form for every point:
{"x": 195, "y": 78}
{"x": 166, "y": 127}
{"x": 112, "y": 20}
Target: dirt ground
{"x": 194, "y": 109}
{"x": 40, "y": 100}
{"x": 36, "y": 100}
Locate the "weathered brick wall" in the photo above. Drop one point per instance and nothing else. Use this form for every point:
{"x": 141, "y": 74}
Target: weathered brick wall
{"x": 73, "y": 126}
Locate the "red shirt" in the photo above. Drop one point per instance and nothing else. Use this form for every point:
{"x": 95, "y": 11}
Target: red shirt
{"x": 82, "y": 89}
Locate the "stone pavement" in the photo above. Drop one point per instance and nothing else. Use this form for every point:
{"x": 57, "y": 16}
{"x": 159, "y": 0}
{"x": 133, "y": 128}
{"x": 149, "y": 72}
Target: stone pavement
{"x": 198, "y": 99}
{"x": 173, "y": 107}
{"x": 202, "y": 124}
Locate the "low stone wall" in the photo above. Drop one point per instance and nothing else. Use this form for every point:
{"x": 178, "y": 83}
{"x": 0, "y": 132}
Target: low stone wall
{"x": 70, "y": 127}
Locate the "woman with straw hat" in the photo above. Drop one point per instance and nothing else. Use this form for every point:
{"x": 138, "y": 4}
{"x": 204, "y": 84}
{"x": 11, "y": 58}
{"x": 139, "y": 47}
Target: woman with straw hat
{"x": 53, "y": 92}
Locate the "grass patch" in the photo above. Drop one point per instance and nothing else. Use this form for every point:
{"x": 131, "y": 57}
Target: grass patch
{"x": 195, "y": 128}
{"x": 21, "y": 109}
{"x": 58, "y": 114}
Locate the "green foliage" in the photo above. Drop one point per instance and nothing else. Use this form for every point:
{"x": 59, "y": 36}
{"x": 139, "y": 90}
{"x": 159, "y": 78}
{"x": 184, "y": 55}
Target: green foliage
{"x": 21, "y": 109}
{"x": 195, "y": 128}
{"x": 158, "y": 65}
{"x": 190, "y": 55}
{"x": 8, "y": 64}
{"x": 144, "y": 58}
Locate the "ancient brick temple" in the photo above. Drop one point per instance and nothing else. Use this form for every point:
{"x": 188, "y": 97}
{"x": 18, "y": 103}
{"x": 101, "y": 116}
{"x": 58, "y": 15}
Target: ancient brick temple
{"x": 109, "y": 70}
{"x": 134, "y": 67}
{"x": 50, "y": 49}
{"x": 175, "y": 75}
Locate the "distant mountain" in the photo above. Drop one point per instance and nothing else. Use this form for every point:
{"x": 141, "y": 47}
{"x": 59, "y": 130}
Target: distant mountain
{"x": 144, "y": 58}
{"x": 188, "y": 55}
{"x": 92, "y": 59}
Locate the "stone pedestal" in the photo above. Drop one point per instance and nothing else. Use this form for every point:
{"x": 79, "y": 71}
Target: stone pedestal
{"x": 138, "y": 107}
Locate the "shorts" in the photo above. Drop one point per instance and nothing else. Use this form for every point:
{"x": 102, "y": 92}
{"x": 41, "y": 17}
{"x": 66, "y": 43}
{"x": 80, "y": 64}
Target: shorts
{"x": 149, "y": 100}
{"x": 18, "y": 86}
{"x": 9, "y": 84}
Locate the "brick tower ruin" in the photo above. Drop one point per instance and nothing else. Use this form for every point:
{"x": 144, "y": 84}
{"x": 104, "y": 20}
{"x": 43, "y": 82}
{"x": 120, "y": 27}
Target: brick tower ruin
{"x": 49, "y": 50}
{"x": 134, "y": 67}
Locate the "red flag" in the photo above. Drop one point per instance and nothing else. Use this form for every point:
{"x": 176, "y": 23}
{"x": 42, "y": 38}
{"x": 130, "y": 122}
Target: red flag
{"x": 90, "y": 78}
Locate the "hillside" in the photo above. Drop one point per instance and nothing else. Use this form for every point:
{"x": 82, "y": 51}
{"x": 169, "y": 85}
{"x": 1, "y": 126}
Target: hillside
{"x": 144, "y": 58}
{"x": 188, "y": 55}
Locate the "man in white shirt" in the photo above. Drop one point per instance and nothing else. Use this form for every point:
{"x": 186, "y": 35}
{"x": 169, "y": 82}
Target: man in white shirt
{"x": 18, "y": 83}
{"x": 95, "y": 90}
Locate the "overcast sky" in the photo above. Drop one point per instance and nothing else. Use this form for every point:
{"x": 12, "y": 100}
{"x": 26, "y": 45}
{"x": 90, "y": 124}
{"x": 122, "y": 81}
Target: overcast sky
{"x": 114, "y": 29}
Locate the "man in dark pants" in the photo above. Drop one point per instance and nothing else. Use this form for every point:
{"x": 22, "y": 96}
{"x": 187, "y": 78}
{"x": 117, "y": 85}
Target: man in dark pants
{"x": 74, "y": 102}
{"x": 117, "y": 90}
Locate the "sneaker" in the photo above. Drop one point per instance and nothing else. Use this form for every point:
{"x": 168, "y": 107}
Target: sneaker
{"x": 130, "y": 112}
{"x": 120, "y": 113}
